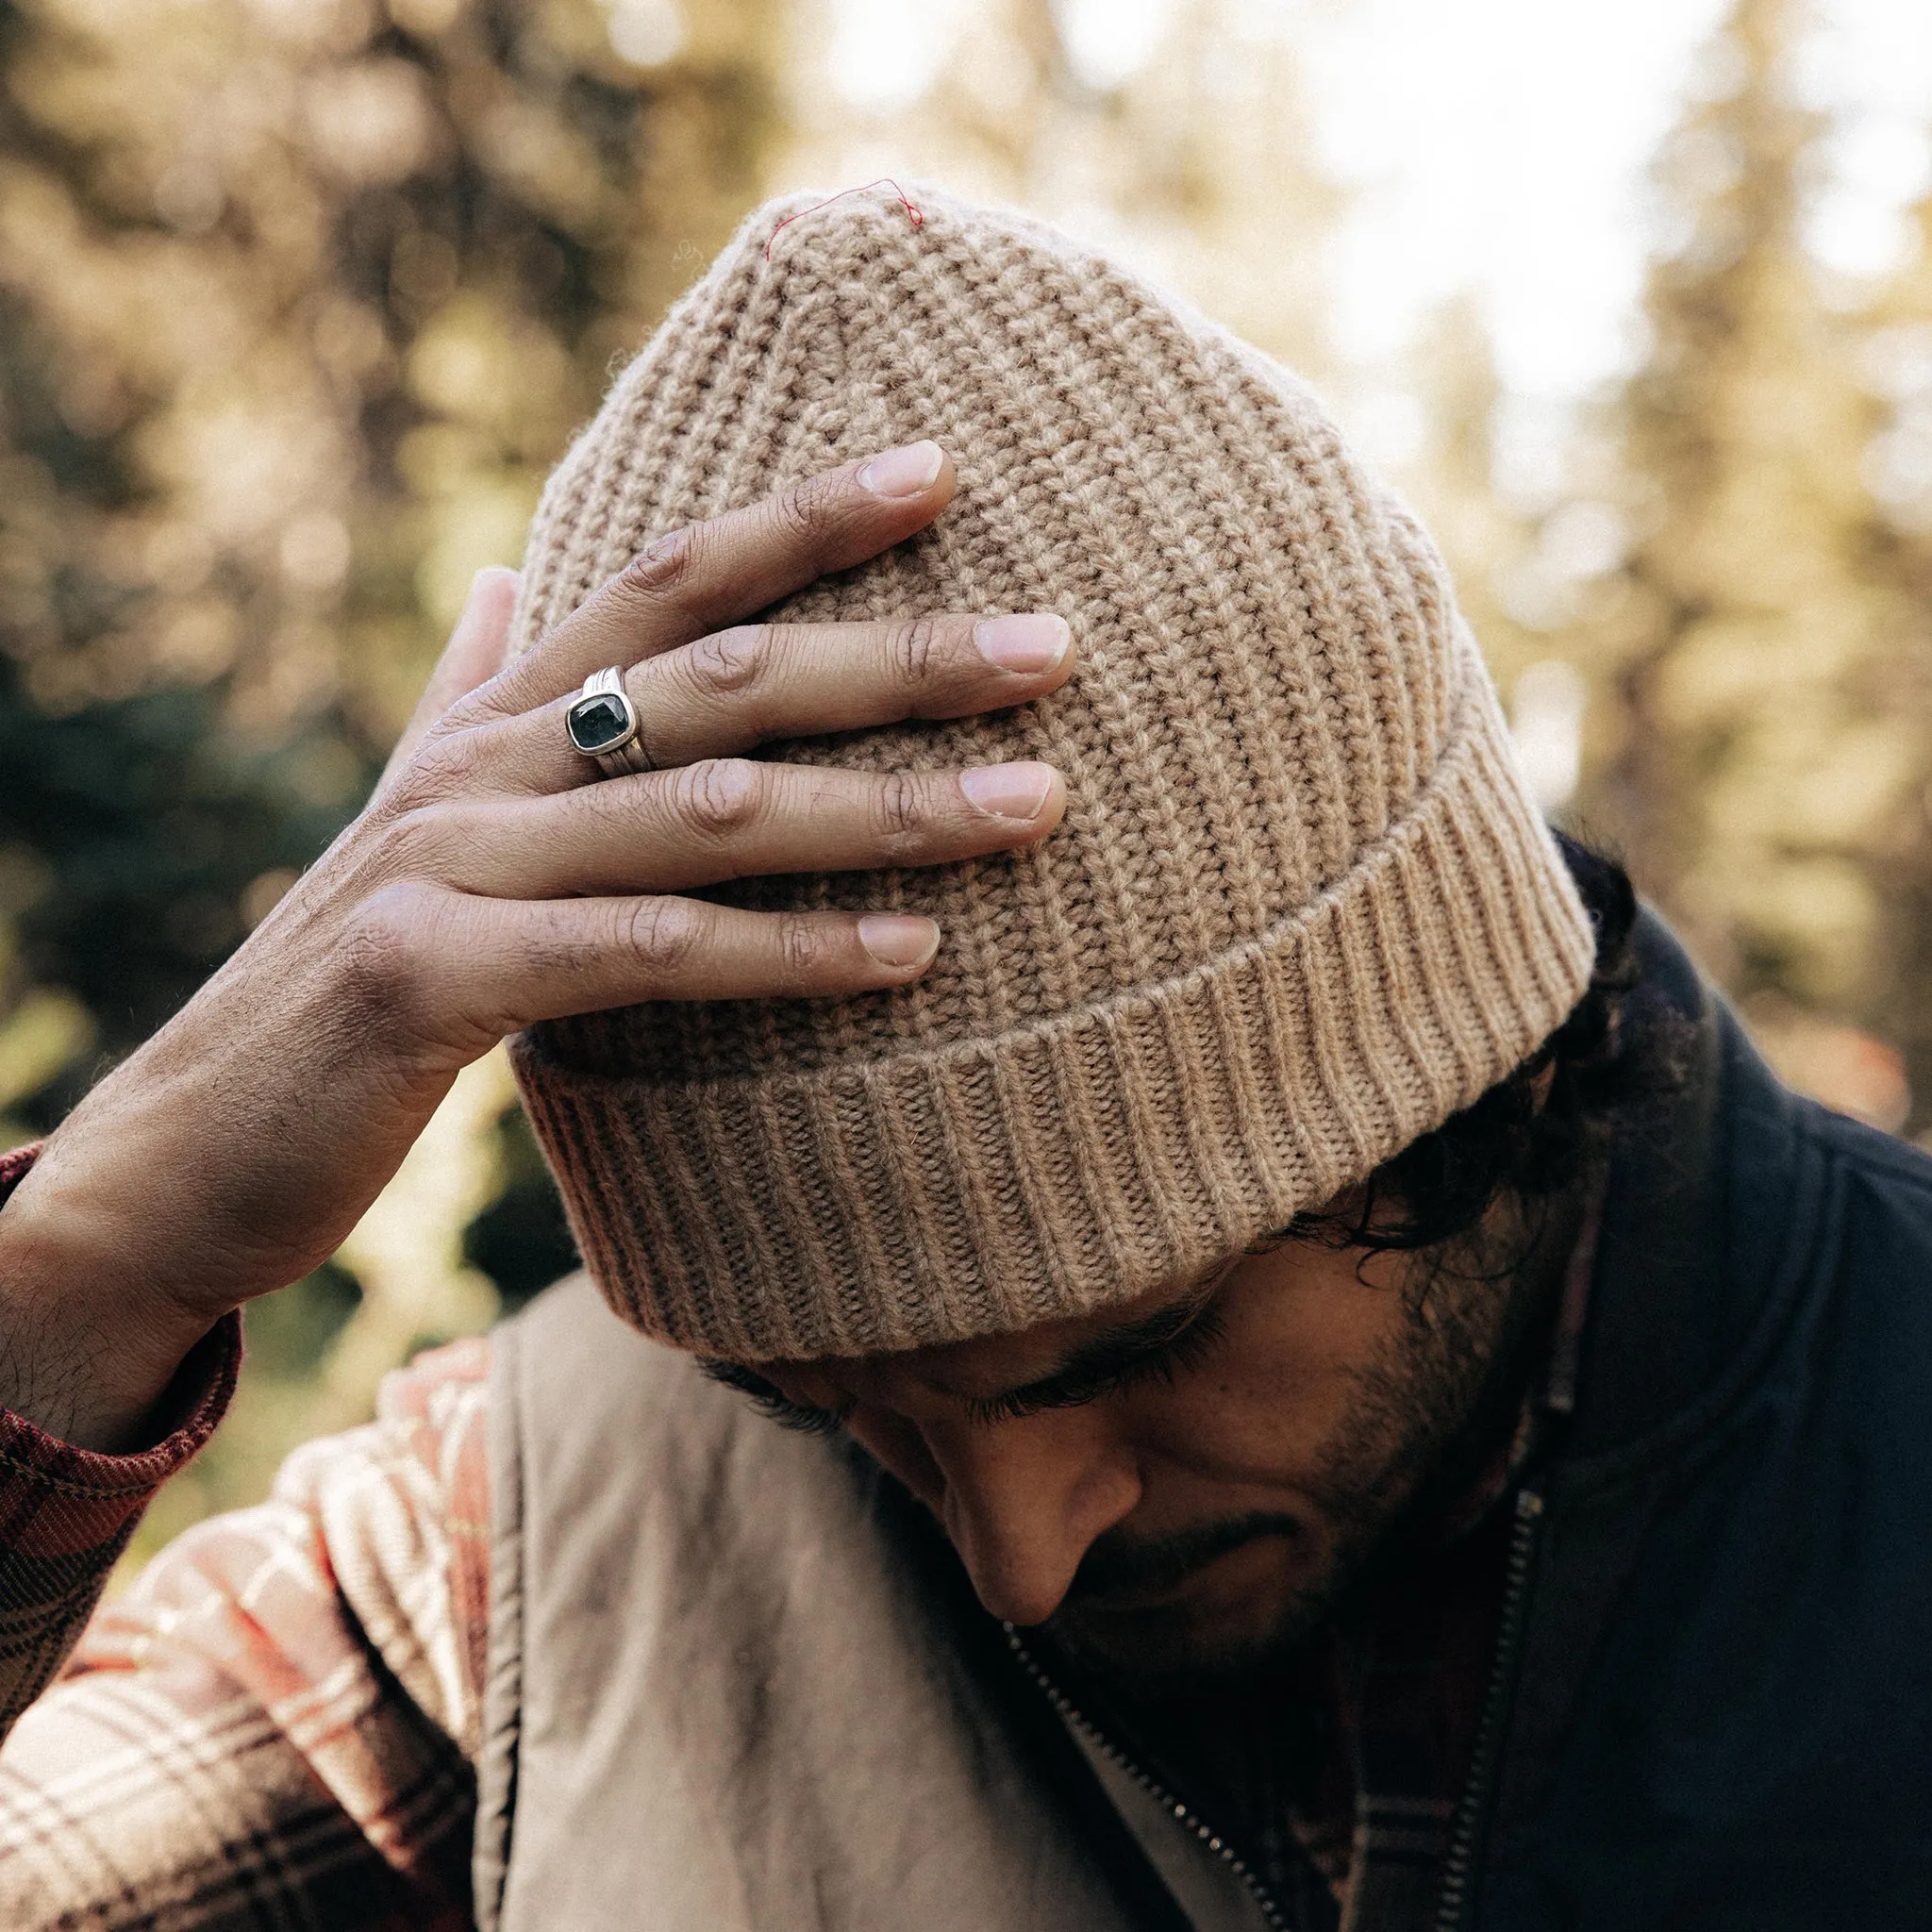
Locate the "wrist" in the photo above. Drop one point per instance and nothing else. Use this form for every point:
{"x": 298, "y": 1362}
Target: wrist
{"x": 87, "y": 1350}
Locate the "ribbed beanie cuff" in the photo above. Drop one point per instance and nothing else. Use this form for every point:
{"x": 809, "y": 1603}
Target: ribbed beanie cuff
{"x": 1073, "y": 1164}
{"x": 1292, "y": 795}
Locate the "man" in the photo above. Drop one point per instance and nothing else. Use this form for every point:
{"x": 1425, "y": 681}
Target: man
{"x": 1327, "y": 1386}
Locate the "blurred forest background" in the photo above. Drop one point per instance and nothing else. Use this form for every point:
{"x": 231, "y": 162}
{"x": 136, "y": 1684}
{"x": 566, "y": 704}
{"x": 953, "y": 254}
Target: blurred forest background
{"x": 299, "y": 299}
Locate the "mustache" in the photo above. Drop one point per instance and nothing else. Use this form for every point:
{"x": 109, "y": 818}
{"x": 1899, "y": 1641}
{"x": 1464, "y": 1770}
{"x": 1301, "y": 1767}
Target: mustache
{"x": 1117, "y": 1563}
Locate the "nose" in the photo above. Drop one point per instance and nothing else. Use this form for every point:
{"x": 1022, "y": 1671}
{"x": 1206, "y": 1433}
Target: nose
{"x": 1025, "y": 1500}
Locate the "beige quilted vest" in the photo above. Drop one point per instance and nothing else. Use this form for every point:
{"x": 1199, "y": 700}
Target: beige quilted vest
{"x": 725, "y": 1696}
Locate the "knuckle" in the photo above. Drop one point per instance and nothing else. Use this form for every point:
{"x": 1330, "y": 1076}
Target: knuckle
{"x": 440, "y": 766}
{"x": 731, "y": 661}
{"x": 410, "y": 843}
{"x": 720, "y": 796}
{"x": 495, "y": 699}
{"x": 803, "y": 515}
{"x": 915, "y": 648}
{"x": 660, "y": 565}
{"x": 899, "y": 811}
{"x": 488, "y": 702}
{"x": 665, "y": 933}
{"x": 388, "y": 948}
{"x": 805, "y": 948}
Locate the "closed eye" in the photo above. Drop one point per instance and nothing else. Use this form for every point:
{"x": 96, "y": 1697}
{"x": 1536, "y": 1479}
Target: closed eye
{"x": 770, "y": 1402}
{"x": 1167, "y": 1344}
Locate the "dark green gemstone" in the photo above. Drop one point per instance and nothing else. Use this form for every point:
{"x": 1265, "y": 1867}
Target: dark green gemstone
{"x": 598, "y": 723}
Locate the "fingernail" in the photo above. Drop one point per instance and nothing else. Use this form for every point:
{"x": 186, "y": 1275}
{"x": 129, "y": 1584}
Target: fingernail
{"x": 1036, "y": 643}
{"x": 894, "y": 940}
{"x": 904, "y": 471}
{"x": 1009, "y": 791}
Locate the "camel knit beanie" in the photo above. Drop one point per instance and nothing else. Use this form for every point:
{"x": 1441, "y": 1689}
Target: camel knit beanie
{"x": 1301, "y": 908}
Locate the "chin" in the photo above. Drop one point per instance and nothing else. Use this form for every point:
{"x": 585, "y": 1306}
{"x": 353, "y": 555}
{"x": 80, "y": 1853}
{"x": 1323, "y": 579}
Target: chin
{"x": 1229, "y": 1621}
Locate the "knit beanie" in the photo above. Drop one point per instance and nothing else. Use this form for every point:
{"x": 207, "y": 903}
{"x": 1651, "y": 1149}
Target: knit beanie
{"x": 1301, "y": 908}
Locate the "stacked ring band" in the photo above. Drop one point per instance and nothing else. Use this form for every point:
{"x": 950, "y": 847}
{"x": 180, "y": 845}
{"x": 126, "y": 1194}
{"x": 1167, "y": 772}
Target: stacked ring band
{"x": 603, "y": 725}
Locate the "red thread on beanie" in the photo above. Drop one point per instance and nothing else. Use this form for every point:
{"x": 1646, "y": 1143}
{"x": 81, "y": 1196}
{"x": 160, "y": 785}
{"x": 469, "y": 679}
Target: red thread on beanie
{"x": 917, "y": 213}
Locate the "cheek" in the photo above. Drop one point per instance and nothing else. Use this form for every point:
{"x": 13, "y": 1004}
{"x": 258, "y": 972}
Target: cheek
{"x": 1279, "y": 1386}
{"x": 1228, "y": 1429}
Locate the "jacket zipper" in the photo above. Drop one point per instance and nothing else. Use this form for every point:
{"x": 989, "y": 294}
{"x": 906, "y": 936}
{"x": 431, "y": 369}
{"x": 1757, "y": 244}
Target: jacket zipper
{"x": 1457, "y": 1899}
{"x": 1184, "y": 1813}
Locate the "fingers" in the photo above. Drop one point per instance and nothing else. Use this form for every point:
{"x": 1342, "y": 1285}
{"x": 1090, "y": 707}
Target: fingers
{"x": 474, "y": 655}
{"x": 706, "y": 574}
{"x": 730, "y": 818}
{"x": 527, "y": 960}
{"x": 738, "y": 689}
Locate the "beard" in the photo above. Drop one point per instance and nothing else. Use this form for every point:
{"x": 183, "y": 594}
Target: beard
{"x": 1431, "y": 1408}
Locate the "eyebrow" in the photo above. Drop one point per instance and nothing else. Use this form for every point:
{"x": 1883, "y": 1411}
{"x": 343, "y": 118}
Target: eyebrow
{"x": 1082, "y": 1375}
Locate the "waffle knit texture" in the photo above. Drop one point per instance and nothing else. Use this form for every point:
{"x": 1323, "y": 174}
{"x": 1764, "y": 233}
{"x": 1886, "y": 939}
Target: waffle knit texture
{"x": 1301, "y": 908}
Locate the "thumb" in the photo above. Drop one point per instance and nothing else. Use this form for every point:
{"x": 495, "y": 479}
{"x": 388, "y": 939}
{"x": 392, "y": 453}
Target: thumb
{"x": 474, "y": 654}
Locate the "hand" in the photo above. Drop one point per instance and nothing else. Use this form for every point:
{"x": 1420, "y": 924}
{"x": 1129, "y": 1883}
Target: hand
{"x": 496, "y": 879}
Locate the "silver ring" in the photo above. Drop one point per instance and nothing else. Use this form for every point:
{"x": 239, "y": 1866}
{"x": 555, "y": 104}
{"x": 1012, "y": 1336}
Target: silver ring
{"x": 603, "y": 725}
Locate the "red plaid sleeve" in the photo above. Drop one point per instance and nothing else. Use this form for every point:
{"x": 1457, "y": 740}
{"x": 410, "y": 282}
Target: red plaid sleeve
{"x": 66, "y": 1514}
{"x": 274, "y": 1726}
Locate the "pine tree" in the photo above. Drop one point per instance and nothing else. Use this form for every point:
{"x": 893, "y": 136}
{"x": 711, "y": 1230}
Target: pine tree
{"x": 1198, "y": 166}
{"x": 1895, "y": 344}
{"x": 1487, "y": 540}
{"x": 299, "y": 300}
{"x": 1759, "y": 770}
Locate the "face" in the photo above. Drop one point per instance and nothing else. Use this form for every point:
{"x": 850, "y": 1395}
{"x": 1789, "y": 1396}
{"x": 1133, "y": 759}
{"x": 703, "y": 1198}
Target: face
{"x": 1181, "y": 1486}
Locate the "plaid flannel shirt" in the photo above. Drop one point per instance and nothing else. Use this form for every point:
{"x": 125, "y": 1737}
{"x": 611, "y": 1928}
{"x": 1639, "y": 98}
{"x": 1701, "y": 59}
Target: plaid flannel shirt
{"x": 277, "y": 1726}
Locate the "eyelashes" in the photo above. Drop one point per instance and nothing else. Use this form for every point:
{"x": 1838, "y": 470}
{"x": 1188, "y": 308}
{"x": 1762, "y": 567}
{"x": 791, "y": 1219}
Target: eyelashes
{"x": 1148, "y": 1360}
{"x": 1191, "y": 1347}
{"x": 1155, "y": 1360}
{"x": 764, "y": 1397}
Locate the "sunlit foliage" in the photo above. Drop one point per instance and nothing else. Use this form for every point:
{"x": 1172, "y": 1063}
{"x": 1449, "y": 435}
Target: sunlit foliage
{"x": 299, "y": 299}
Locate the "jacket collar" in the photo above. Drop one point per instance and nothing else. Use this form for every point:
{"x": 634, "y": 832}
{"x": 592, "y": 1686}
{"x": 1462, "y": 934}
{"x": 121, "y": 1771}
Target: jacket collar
{"x": 1706, "y": 1197}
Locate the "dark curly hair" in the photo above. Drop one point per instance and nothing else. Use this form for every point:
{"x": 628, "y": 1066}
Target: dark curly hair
{"x": 1516, "y": 1138}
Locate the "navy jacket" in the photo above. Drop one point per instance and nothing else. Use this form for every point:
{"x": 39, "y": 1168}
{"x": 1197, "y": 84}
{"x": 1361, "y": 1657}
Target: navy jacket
{"x": 1711, "y": 1706}
{"x": 1714, "y": 1709}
